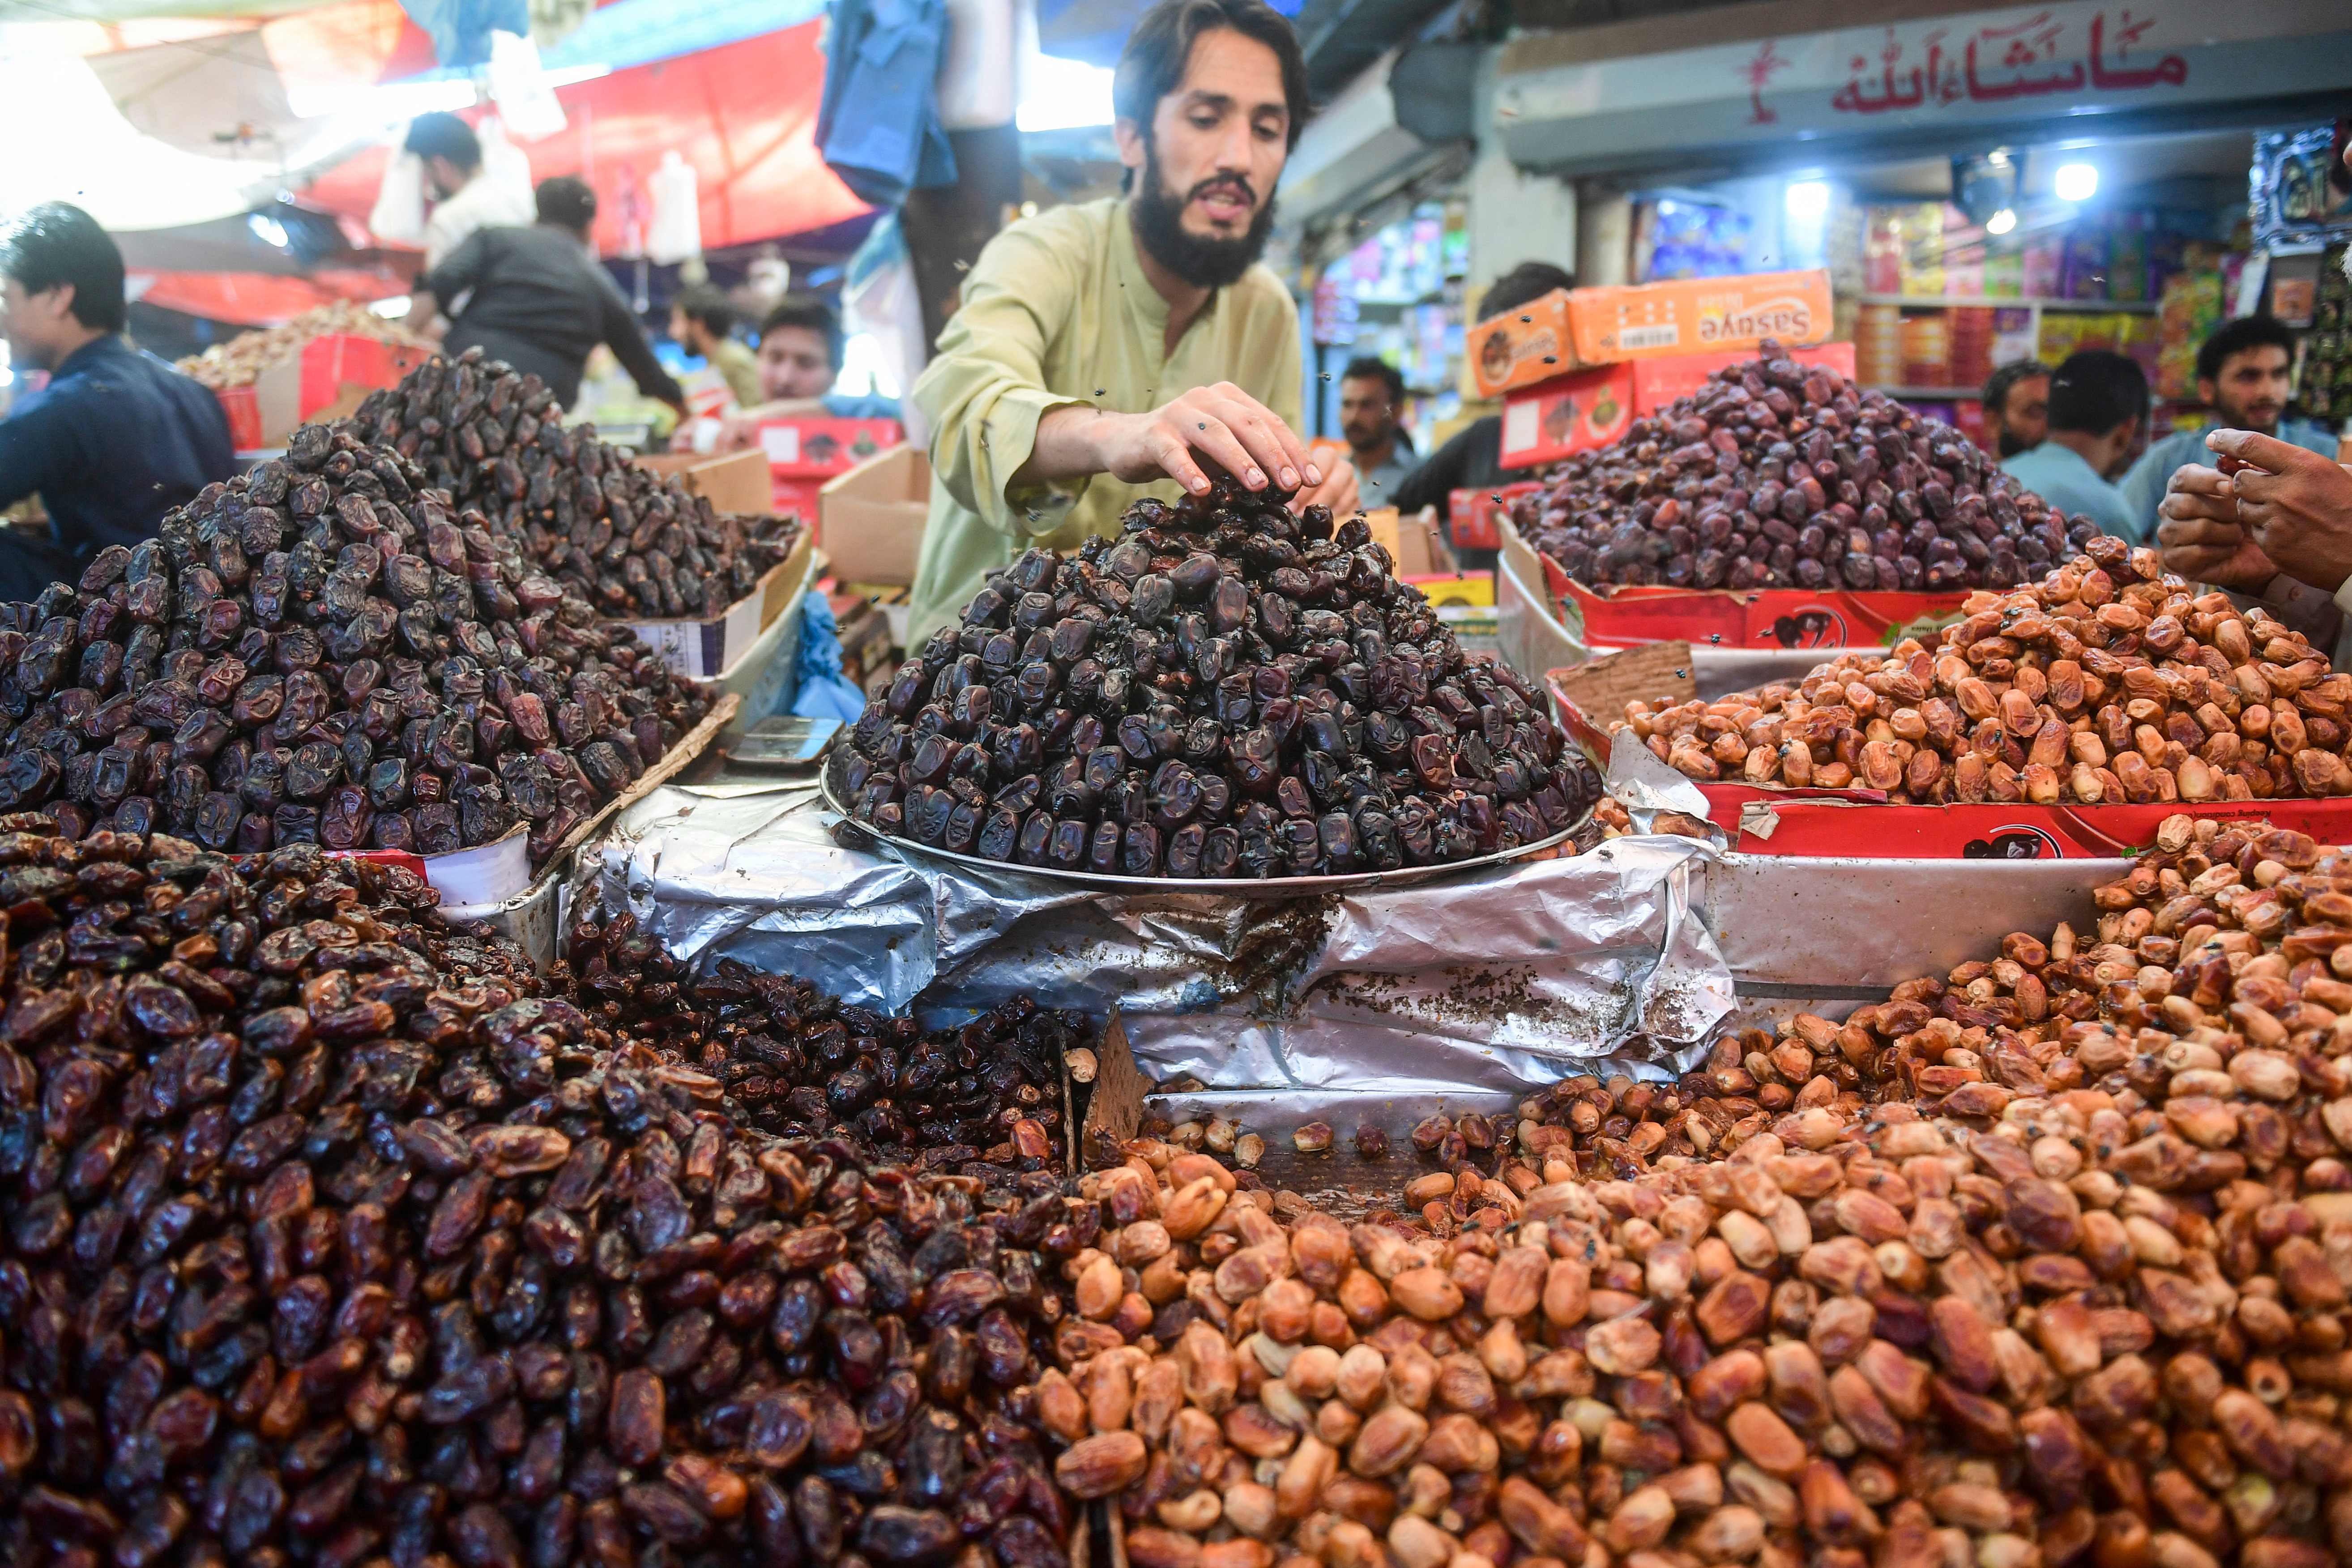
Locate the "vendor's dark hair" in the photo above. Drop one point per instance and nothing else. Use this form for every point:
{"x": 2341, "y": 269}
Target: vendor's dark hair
{"x": 2096, "y": 390}
{"x": 2236, "y": 337}
{"x": 1367, "y": 368}
{"x": 1996, "y": 386}
{"x": 56, "y": 243}
{"x": 442, "y": 135}
{"x": 810, "y": 315}
{"x": 707, "y": 305}
{"x": 1528, "y": 280}
{"x": 1152, "y": 64}
{"x": 566, "y": 200}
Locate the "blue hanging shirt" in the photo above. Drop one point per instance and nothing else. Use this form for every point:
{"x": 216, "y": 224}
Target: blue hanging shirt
{"x": 879, "y": 124}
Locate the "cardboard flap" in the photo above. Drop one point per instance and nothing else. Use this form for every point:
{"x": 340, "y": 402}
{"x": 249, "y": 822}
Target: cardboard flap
{"x": 1116, "y": 1105}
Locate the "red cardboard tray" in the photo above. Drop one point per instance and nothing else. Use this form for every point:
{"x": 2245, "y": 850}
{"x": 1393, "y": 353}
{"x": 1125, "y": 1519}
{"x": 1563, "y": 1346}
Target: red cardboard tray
{"x": 342, "y": 360}
{"x": 243, "y": 407}
{"x": 1862, "y": 824}
{"x": 1477, "y": 515}
{"x": 804, "y": 453}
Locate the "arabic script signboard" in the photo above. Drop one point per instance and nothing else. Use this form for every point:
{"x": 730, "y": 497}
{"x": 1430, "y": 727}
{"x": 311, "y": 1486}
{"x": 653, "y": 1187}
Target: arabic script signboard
{"x": 2021, "y": 64}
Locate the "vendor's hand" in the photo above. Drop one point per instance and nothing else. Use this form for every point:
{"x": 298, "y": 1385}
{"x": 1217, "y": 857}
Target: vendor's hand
{"x": 1337, "y": 491}
{"x": 1222, "y": 423}
{"x": 2201, "y": 540}
{"x": 2297, "y": 506}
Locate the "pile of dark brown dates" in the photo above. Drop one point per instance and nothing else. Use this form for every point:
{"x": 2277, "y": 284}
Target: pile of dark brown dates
{"x": 325, "y": 1238}
{"x": 799, "y": 1063}
{"x": 631, "y": 541}
{"x": 1781, "y": 475}
{"x": 1226, "y": 690}
{"x": 323, "y": 650}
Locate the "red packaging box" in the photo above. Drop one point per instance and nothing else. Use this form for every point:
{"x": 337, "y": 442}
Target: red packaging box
{"x": 1658, "y": 382}
{"x": 804, "y": 453}
{"x": 1568, "y": 414}
{"x": 335, "y": 365}
{"x": 243, "y": 407}
{"x": 1475, "y": 516}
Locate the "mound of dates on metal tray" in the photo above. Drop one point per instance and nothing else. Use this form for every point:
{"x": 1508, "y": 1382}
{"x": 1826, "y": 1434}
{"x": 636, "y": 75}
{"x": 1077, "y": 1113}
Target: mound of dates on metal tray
{"x": 1780, "y": 475}
{"x": 324, "y": 1238}
{"x": 323, "y": 650}
{"x": 1226, "y": 690}
{"x": 798, "y": 1062}
{"x": 630, "y": 541}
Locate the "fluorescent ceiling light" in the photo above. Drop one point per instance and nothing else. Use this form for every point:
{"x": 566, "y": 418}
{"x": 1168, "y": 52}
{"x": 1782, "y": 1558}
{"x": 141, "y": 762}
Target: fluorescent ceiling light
{"x": 385, "y": 101}
{"x": 572, "y": 75}
{"x": 2076, "y": 181}
{"x": 1063, "y": 95}
{"x": 267, "y": 229}
{"x": 2002, "y": 221}
{"x": 1808, "y": 199}
{"x": 392, "y": 309}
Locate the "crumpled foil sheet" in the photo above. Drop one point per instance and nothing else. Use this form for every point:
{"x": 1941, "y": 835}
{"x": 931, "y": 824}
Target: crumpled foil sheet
{"x": 1578, "y": 961}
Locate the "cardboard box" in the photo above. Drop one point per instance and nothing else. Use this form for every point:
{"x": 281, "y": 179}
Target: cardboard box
{"x": 1647, "y": 321}
{"x": 1621, "y": 617}
{"x": 1522, "y": 347}
{"x": 708, "y": 647}
{"x": 1412, "y": 544}
{"x": 870, "y": 520}
{"x": 1658, "y": 382}
{"x": 804, "y": 453}
{"x": 336, "y": 370}
{"x": 1574, "y": 413}
{"x": 243, "y": 411}
{"x": 1476, "y": 515}
{"x": 734, "y": 482}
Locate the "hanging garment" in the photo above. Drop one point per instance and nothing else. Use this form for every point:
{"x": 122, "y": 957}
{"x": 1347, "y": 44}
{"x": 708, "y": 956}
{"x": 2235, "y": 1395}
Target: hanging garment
{"x": 878, "y": 125}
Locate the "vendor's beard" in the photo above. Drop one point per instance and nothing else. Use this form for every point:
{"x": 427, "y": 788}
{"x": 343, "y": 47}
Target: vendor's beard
{"x": 2010, "y": 443}
{"x": 1158, "y": 217}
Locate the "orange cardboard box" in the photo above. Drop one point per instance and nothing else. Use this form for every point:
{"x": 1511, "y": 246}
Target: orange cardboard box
{"x": 1658, "y": 382}
{"x": 1700, "y": 315}
{"x": 1568, "y": 414}
{"x": 1522, "y": 347}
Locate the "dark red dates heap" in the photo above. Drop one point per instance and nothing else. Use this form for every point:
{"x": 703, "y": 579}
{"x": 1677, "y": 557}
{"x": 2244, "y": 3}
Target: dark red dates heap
{"x": 632, "y": 542}
{"x": 799, "y": 1063}
{"x": 1780, "y": 475}
{"x": 323, "y": 650}
{"x": 1226, "y": 690}
{"x": 324, "y": 1240}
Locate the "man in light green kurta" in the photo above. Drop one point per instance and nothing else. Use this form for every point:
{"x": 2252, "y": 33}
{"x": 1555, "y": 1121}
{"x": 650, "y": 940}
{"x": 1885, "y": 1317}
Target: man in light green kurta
{"x": 1102, "y": 349}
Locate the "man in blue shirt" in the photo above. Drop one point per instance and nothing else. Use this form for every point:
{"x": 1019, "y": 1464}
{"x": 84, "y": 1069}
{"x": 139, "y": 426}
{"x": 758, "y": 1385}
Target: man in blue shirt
{"x": 118, "y": 437}
{"x": 2097, "y": 401}
{"x": 801, "y": 350}
{"x": 2243, "y": 377}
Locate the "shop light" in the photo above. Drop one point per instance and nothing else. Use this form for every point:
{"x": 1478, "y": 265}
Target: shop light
{"x": 1063, "y": 95}
{"x": 2002, "y": 221}
{"x": 1808, "y": 200}
{"x": 385, "y": 101}
{"x": 2076, "y": 181}
{"x": 393, "y": 309}
{"x": 267, "y": 229}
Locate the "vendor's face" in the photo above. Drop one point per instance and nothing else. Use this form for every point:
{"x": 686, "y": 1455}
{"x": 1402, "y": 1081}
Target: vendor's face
{"x": 2251, "y": 391}
{"x": 2025, "y": 416}
{"x": 444, "y": 178}
{"x": 1216, "y": 144}
{"x": 1366, "y": 415}
{"x": 794, "y": 364}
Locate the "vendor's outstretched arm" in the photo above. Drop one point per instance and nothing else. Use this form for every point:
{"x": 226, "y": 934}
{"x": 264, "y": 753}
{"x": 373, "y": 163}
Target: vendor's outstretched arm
{"x": 1221, "y": 422}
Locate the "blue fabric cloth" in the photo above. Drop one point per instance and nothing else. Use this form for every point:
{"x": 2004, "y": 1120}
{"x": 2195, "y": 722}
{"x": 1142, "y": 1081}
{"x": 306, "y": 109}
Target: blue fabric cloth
{"x": 461, "y": 30}
{"x": 115, "y": 440}
{"x": 826, "y": 692}
{"x": 878, "y": 125}
{"x": 2060, "y": 476}
{"x": 2143, "y": 486}
{"x": 860, "y": 405}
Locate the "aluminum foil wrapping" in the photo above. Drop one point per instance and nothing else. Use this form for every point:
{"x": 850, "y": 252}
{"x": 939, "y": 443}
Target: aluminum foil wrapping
{"x": 1584, "y": 960}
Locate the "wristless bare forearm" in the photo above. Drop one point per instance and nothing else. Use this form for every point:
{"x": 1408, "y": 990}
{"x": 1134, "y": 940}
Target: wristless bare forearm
{"x": 1066, "y": 446}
